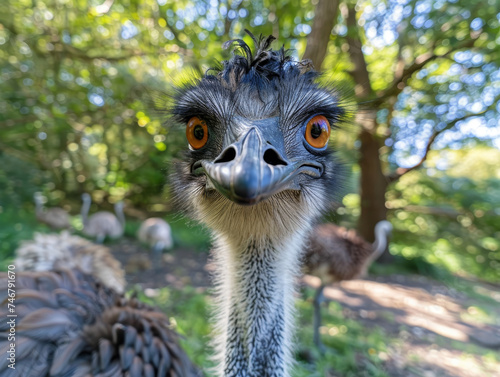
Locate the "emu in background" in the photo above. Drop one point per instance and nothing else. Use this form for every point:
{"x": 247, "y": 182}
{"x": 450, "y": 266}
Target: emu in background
{"x": 56, "y": 218}
{"x": 102, "y": 224}
{"x": 157, "y": 234}
{"x": 336, "y": 253}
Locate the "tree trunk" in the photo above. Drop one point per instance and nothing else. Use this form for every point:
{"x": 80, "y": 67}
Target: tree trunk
{"x": 317, "y": 41}
{"x": 373, "y": 186}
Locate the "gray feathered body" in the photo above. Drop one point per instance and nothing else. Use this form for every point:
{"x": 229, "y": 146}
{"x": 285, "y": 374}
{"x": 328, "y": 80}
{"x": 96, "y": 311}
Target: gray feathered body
{"x": 103, "y": 224}
{"x": 55, "y": 217}
{"x": 335, "y": 253}
{"x": 156, "y": 233}
{"x": 68, "y": 324}
{"x": 47, "y": 252}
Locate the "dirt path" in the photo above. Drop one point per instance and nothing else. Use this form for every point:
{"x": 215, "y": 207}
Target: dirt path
{"x": 179, "y": 268}
{"x": 437, "y": 328}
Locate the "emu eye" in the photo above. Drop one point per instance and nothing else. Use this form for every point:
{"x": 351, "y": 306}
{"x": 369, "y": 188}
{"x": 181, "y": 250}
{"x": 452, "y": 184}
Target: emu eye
{"x": 317, "y": 131}
{"x": 196, "y": 132}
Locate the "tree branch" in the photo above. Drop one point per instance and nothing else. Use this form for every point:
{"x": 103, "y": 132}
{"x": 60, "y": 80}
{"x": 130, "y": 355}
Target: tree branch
{"x": 85, "y": 56}
{"x": 399, "y": 172}
{"x": 104, "y": 7}
{"x": 71, "y": 50}
{"x": 228, "y": 22}
{"x": 23, "y": 120}
{"x": 435, "y": 211}
{"x": 400, "y": 63}
{"x": 420, "y": 61}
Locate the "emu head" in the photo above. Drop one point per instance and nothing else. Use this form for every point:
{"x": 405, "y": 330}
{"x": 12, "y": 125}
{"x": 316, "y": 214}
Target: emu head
{"x": 258, "y": 130}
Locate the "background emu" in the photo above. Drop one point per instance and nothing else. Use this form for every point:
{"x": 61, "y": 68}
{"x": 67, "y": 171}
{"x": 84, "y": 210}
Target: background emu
{"x": 157, "y": 234}
{"x": 102, "y": 224}
{"x": 258, "y": 173}
{"x": 336, "y": 253}
{"x": 55, "y": 217}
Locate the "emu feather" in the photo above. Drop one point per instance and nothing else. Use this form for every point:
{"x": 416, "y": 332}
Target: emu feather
{"x": 79, "y": 337}
{"x": 258, "y": 186}
{"x": 47, "y": 252}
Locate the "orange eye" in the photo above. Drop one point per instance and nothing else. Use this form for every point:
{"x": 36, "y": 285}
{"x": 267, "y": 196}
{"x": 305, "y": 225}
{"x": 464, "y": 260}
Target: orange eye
{"x": 317, "y": 131}
{"x": 196, "y": 132}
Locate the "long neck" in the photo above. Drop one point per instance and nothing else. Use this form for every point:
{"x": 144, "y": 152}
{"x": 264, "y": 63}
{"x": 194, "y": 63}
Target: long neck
{"x": 380, "y": 243}
{"x": 256, "y": 284}
{"x": 120, "y": 215}
{"x": 85, "y": 211}
{"x": 38, "y": 206}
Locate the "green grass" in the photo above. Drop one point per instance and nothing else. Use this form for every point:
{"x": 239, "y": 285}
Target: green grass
{"x": 352, "y": 350}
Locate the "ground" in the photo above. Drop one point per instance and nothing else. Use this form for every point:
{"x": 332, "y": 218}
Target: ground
{"x": 401, "y": 325}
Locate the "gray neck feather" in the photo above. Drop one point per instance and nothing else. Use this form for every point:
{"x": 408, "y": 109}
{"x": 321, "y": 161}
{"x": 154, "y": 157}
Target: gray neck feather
{"x": 119, "y": 214}
{"x": 85, "y": 210}
{"x": 38, "y": 206}
{"x": 256, "y": 319}
{"x": 380, "y": 243}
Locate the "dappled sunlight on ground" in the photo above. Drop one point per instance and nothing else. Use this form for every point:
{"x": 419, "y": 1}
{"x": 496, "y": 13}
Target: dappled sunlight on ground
{"x": 413, "y": 306}
{"x": 178, "y": 269}
{"x": 442, "y": 362}
{"x": 430, "y": 310}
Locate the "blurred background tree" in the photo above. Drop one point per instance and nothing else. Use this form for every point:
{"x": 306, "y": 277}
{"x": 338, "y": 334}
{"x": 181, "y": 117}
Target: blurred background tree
{"x": 423, "y": 149}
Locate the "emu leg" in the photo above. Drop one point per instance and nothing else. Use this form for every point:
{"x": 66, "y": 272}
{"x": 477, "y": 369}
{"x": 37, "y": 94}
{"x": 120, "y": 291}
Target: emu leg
{"x": 158, "y": 254}
{"x": 100, "y": 238}
{"x": 318, "y": 299}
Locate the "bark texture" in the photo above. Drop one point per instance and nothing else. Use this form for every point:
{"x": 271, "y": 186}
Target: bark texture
{"x": 373, "y": 186}
{"x": 373, "y": 181}
{"x": 317, "y": 41}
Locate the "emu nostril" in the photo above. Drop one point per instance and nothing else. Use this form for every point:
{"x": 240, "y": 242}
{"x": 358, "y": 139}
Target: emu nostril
{"x": 228, "y": 155}
{"x": 272, "y": 157}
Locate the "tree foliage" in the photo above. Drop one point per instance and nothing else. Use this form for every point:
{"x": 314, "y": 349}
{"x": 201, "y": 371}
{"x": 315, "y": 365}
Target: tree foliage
{"x": 425, "y": 73}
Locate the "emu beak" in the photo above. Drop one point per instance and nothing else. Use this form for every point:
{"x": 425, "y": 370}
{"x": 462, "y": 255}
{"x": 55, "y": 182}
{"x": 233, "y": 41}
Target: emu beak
{"x": 251, "y": 169}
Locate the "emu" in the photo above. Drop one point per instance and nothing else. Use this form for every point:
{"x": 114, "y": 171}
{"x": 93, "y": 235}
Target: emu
{"x": 48, "y": 252}
{"x": 258, "y": 172}
{"x": 157, "y": 234}
{"x": 336, "y": 253}
{"x": 102, "y": 224}
{"x": 69, "y": 324}
{"x": 73, "y": 320}
{"x": 56, "y": 218}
